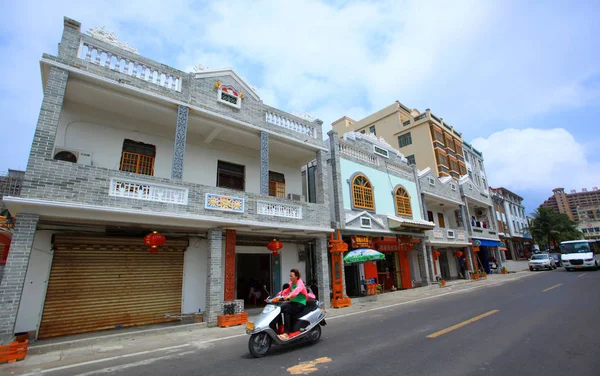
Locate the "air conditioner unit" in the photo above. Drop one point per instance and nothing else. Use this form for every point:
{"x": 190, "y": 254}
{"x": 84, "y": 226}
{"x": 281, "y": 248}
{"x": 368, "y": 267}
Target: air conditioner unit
{"x": 295, "y": 197}
{"x": 73, "y": 155}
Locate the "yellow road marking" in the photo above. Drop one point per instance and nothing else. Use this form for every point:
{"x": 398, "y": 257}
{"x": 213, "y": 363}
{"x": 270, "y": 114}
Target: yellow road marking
{"x": 581, "y": 275}
{"x": 306, "y": 368}
{"x": 460, "y": 325}
{"x": 553, "y": 287}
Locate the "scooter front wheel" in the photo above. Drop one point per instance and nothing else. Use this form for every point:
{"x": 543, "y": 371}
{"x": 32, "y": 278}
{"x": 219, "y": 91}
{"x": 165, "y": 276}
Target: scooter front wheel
{"x": 259, "y": 344}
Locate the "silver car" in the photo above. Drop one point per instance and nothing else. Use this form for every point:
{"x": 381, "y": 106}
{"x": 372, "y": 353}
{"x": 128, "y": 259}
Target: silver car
{"x": 541, "y": 261}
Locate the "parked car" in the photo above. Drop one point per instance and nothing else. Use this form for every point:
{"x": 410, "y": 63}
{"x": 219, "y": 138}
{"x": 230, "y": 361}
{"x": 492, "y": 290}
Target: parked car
{"x": 557, "y": 260}
{"x": 541, "y": 261}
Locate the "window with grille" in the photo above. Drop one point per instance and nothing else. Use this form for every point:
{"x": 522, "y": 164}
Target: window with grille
{"x": 362, "y": 193}
{"x": 437, "y": 135}
{"x": 449, "y": 141}
{"x": 459, "y": 149}
{"x": 372, "y": 130}
{"x": 403, "y": 202}
{"x": 453, "y": 165}
{"x": 276, "y": 184}
{"x": 404, "y": 140}
{"x": 138, "y": 157}
{"x": 230, "y": 175}
{"x": 442, "y": 157}
{"x": 411, "y": 160}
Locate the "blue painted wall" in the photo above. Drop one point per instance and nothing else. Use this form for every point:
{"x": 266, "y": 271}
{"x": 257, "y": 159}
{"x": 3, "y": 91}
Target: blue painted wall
{"x": 383, "y": 184}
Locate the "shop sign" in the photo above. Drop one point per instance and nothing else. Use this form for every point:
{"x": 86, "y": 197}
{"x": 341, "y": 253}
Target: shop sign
{"x": 438, "y": 234}
{"x": 358, "y": 241}
{"x": 387, "y": 247}
{"x": 460, "y": 235}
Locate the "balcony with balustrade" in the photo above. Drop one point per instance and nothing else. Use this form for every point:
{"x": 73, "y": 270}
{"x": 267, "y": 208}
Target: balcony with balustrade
{"x": 143, "y": 141}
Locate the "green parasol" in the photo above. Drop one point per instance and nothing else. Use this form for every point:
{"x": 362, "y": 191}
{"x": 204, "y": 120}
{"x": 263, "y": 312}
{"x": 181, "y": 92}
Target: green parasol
{"x": 362, "y": 255}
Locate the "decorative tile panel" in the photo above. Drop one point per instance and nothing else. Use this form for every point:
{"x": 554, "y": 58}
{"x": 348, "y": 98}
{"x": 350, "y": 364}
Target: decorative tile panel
{"x": 180, "y": 141}
{"x": 438, "y": 234}
{"x": 224, "y": 203}
{"x": 148, "y": 191}
{"x": 276, "y": 209}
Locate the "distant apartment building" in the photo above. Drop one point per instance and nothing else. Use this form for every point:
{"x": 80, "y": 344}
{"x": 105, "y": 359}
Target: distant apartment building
{"x": 568, "y": 203}
{"x": 475, "y": 167}
{"x": 589, "y": 221}
{"x": 425, "y": 139}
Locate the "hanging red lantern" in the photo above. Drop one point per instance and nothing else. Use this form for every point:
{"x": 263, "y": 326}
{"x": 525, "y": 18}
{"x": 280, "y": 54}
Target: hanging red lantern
{"x": 459, "y": 254}
{"x": 154, "y": 240}
{"x": 274, "y": 246}
{"x": 436, "y": 254}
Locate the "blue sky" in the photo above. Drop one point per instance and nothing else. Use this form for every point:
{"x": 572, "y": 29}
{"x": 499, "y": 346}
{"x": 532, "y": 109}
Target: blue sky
{"x": 521, "y": 80}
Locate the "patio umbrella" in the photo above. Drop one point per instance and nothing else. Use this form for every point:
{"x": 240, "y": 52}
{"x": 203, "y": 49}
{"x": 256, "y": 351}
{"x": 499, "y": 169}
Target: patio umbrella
{"x": 361, "y": 255}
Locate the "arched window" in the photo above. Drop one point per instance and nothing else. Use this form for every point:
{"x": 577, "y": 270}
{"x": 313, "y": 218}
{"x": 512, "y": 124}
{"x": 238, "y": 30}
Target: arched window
{"x": 403, "y": 202}
{"x": 362, "y": 193}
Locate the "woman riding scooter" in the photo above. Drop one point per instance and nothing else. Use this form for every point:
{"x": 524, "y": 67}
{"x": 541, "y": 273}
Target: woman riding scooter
{"x": 298, "y": 295}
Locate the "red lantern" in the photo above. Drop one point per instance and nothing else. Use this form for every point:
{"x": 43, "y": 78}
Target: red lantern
{"x": 154, "y": 240}
{"x": 459, "y": 254}
{"x": 274, "y": 246}
{"x": 436, "y": 254}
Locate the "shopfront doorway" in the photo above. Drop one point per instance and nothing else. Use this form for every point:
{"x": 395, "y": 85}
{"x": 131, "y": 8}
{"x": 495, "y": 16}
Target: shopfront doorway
{"x": 444, "y": 264}
{"x": 254, "y": 271}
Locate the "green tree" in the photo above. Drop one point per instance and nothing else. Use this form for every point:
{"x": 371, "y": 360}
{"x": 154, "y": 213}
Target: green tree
{"x": 550, "y": 228}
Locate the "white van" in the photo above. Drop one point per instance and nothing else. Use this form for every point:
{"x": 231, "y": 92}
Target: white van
{"x": 580, "y": 254}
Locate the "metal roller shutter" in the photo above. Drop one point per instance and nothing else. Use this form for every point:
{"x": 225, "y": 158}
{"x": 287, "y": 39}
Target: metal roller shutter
{"x": 105, "y": 283}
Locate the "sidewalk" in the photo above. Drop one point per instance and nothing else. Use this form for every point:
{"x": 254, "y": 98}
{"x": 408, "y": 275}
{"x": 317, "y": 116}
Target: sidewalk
{"x": 97, "y": 348}
{"x": 516, "y": 266}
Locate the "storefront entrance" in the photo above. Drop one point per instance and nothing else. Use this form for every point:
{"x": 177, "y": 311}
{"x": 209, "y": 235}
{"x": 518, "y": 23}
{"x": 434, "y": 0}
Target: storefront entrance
{"x": 254, "y": 271}
{"x": 444, "y": 264}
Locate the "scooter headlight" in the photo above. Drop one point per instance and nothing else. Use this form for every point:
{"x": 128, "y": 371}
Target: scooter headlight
{"x": 268, "y": 308}
{"x": 250, "y": 326}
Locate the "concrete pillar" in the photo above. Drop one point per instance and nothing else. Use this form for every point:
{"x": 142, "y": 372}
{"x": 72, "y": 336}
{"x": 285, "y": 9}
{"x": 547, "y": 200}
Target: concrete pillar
{"x": 214, "y": 272}
{"x": 322, "y": 182}
{"x": 429, "y": 255}
{"x": 470, "y": 259}
{"x": 180, "y": 142}
{"x": 336, "y": 180}
{"x": 424, "y": 260}
{"x": 45, "y": 131}
{"x": 264, "y": 163}
{"x": 71, "y": 39}
{"x": 322, "y": 272}
{"x": 11, "y": 287}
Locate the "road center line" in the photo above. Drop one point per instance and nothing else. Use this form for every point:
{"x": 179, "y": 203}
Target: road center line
{"x": 460, "y": 325}
{"x": 581, "y": 275}
{"x": 553, "y": 287}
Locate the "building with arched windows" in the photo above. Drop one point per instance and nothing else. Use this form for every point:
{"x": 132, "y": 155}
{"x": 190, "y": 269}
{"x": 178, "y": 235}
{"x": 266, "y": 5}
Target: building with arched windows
{"x": 376, "y": 203}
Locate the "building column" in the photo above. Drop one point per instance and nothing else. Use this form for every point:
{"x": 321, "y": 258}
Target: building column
{"x": 322, "y": 272}
{"x": 337, "y": 199}
{"x": 264, "y": 163}
{"x": 230, "y": 238}
{"x": 470, "y": 256}
{"x": 47, "y": 125}
{"x": 493, "y": 220}
{"x": 180, "y": 142}
{"x": 430, "y": 261}
{"x": 11, "y": 287}
{"x": 423, "y": 259}
{"x": 214, "y": 280}
{"x": 322, "y": 181}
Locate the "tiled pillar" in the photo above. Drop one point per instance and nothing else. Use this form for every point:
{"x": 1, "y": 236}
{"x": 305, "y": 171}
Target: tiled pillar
{"x": 322, "y": 272}
{"x": 423, "y": 259}
{"x": 430, "y": 261}
{"x": 337, "y": 199}
{"x": 264, "y": 163}
{"x": 322, "y": 182}
{"x": 15, "y": 270}
{"x": 214, "y": 280}
{"x": 180, "y": 141}
{"x": 45, "y": 131}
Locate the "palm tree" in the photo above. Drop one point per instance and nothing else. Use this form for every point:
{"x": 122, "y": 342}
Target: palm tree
{"x": 550, "y": 228}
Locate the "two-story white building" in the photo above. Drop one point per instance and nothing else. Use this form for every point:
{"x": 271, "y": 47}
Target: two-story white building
{"x": 125, "y": 146}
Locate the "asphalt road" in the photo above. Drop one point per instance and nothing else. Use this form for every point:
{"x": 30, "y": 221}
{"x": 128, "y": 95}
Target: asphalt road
{"x": 516, "y": 328}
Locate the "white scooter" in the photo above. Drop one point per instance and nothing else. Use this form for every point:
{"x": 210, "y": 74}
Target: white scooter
{"x": 264, "y": 330}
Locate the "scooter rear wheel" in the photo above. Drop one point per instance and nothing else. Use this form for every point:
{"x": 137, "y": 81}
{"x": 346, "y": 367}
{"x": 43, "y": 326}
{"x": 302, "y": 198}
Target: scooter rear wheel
{"x": 259, "y": 344}
{"x": 315, "y": 334}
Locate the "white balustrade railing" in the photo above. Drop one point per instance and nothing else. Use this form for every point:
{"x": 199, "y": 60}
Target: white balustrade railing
{"x": 115, "y": 62}
{"x": 276, "y": 209}
{"x": 148, "y": 191}
{"x": 397, "y": 169}
{"x": 358, "y": 154}
{"x": 293, "y": 125}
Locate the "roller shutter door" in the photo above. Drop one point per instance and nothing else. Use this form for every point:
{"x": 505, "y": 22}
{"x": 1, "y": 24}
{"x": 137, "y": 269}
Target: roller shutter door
{"x": 104, "y": 283}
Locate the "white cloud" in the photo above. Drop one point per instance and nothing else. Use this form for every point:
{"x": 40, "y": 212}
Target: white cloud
{"x": 537, "y": 160}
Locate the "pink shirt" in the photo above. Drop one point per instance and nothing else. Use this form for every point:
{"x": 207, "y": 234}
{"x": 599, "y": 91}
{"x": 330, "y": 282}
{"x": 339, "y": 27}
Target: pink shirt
{"x": 300, "y": 289}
